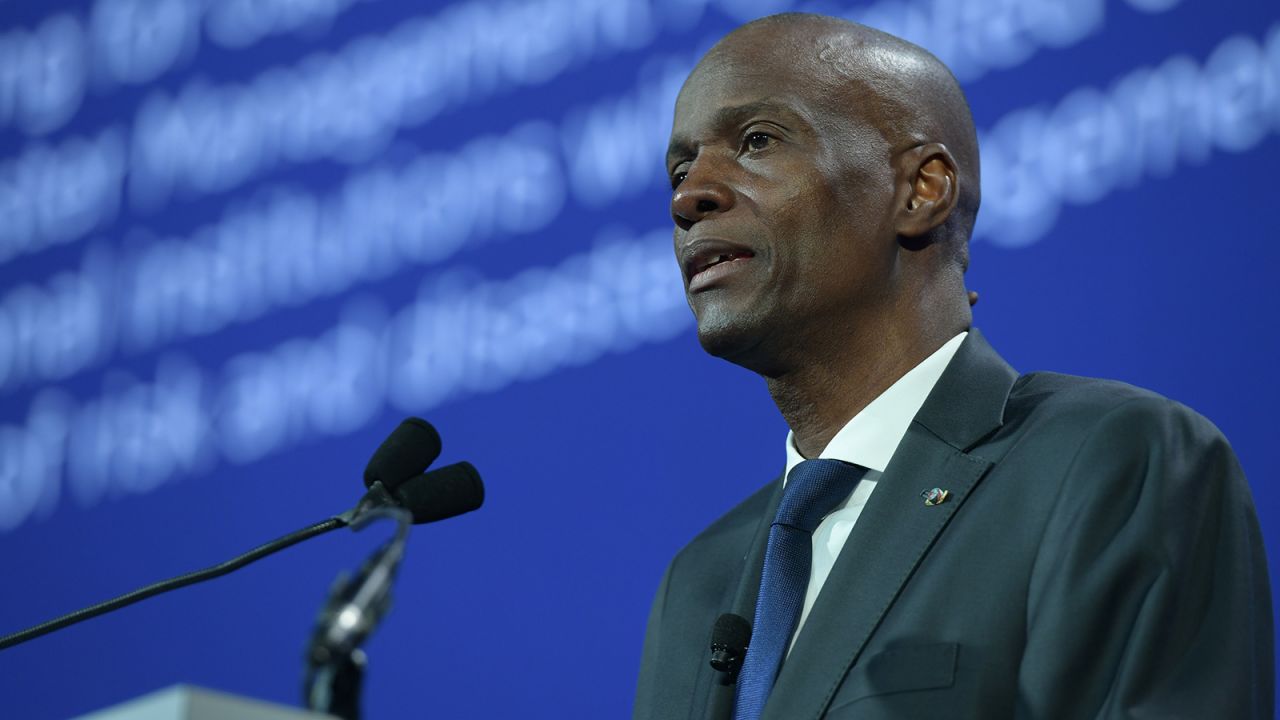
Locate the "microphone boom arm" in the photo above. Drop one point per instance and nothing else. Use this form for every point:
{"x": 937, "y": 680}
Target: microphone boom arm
{"x": 173, "y": 583}
{"x": 442, "y": 493}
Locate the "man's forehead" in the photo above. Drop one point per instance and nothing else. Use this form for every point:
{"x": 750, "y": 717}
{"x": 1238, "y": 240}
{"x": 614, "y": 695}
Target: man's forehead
{"x": 717, "y": 94}
{"x": 728, "y": 84}
{"x": 818, "y": 66}
{"x": 761, "y": 61}
{"x": 724, "y": 82}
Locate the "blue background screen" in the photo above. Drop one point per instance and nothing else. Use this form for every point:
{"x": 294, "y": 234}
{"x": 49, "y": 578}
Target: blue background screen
{"x": 239, "y": 240}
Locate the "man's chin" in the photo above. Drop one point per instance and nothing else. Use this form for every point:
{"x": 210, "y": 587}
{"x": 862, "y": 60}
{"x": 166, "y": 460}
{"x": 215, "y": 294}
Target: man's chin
{"x": 735, "y": 342}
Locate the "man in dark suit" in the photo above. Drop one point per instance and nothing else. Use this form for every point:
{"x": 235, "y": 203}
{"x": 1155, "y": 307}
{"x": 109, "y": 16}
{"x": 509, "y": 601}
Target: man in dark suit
{"x": 988, "y": 545}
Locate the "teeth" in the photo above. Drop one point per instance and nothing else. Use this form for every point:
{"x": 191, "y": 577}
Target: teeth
{"x": 719, "y": 259}
{"x": 723, "y": 257}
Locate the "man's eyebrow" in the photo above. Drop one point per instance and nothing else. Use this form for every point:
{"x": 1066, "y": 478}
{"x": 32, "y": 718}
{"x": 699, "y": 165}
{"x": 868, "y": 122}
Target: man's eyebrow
{"x": 731, "y": 116}
{"x": 734, "y": 114}
{"x": 679, "y": 147}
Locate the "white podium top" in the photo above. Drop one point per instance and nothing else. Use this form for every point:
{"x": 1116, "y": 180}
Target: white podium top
{"x": 187, "y": 702}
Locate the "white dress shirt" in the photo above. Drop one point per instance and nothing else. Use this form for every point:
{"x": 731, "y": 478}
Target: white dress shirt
{"x": 869, "y": 439}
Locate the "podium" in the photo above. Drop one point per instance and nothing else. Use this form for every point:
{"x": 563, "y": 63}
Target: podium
{"x": 187, "y": 702}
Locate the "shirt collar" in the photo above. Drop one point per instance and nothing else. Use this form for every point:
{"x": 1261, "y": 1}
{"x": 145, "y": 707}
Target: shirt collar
{"x": 870, "y": 438}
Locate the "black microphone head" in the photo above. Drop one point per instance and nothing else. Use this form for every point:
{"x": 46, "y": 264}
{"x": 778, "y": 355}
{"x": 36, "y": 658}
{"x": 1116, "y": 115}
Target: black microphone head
{"x": 442, "y": 493}
{"x": 406, "y": 452}
{"x": 729, "y": 640}
{"x": 731, "y": 632}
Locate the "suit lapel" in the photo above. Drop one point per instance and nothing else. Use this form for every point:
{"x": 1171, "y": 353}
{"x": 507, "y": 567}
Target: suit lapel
{"x": 896, "y": 529}
{"x": 893, "y": 534}
{"x": 712, "y": 700}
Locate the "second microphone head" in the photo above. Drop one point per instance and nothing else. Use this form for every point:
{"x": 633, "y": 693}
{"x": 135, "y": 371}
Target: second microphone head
{"x": 442, "y": 493}
{"x": 404, "y": 455}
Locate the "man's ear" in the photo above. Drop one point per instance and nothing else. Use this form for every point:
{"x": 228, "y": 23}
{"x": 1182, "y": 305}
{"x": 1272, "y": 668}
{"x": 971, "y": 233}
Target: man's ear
{"x": 930, "y": 190}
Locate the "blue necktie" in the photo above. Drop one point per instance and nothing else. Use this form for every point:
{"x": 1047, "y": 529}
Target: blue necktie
{"x": 814, "y": 488}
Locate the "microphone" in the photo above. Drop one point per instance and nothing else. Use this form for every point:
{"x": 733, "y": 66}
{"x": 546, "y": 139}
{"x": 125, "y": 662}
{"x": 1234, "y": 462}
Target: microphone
{"x": 335, "y": 664}
{"x": 442, "y": 493}
{"x": 356, "y": 605}
{"x": 438, "y": 495}
{"x": 729, "y": 641}
{"x": 408, "y": 451}
{"x": 397, "y": 484}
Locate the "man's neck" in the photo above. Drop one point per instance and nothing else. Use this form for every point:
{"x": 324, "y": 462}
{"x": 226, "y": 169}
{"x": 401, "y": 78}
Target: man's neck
{"x": 820, "y": 396}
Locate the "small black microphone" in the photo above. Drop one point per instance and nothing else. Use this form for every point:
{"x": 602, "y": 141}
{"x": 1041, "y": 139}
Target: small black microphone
{"x": 729, "y": 641}
{"x": 442, "y": 493}
{"x": 408, "y": 451}
{"x": 438, "y": 495}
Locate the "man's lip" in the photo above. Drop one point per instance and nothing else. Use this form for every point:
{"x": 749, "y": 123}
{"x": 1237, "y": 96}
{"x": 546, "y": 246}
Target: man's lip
{"x": 703, "y": 254}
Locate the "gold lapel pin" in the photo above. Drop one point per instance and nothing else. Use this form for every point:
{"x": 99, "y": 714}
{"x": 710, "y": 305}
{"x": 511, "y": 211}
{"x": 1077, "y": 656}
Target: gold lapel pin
{"x": 935, "y": 496}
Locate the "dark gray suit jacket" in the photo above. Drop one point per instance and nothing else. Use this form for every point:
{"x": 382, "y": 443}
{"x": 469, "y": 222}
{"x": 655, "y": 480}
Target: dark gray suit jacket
{"x": 1098, "y": 557}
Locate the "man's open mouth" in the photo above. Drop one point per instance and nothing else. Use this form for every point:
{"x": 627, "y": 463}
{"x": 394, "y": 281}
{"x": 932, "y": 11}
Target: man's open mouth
{"x": 722, "y": 258}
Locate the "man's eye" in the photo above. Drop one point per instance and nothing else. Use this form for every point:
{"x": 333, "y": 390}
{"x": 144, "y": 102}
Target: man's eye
{"x": 758, "y": 140}
{"x": 677, "y": 178}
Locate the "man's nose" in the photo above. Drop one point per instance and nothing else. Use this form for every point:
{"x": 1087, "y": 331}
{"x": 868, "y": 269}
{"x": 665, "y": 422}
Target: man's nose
{"x": 699, "y": 195}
